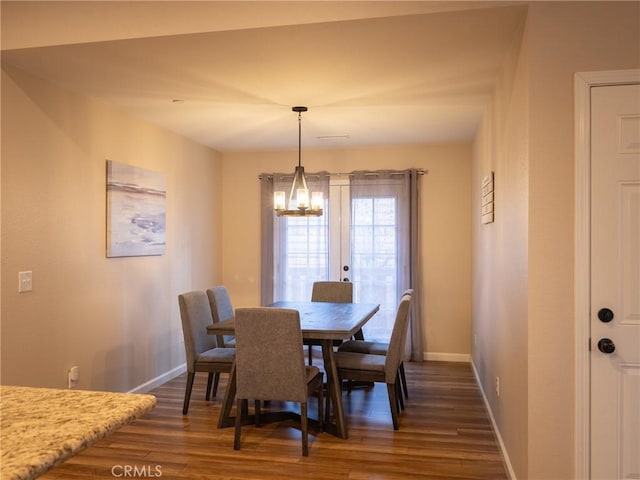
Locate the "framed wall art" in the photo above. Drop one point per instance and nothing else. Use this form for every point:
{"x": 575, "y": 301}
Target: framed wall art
{"x": 136, "y": 207}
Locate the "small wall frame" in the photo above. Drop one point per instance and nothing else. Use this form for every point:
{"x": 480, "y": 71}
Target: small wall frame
{"x": 487, "y": 199}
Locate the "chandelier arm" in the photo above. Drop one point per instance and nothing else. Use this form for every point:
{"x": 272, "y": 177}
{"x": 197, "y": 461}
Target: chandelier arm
{"x": 299, "y": 139}
{"x": 292, "y": 191}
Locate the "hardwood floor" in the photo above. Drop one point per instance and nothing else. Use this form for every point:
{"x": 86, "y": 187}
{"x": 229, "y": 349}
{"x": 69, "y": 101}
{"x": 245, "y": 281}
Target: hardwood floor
{"x": 444, "y": 434}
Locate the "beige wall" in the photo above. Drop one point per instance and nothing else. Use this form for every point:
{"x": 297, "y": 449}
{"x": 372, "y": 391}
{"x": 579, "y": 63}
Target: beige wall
{"x": 564, "y": 39}
{"x": 117, "y": 319}
{"x": 445, "y": 215}
{"x": 500, "y": 256}
{"x": 529, "y": 338}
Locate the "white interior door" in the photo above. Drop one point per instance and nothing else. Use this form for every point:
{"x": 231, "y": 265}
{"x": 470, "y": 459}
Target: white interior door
{"x": 615, "y": 282}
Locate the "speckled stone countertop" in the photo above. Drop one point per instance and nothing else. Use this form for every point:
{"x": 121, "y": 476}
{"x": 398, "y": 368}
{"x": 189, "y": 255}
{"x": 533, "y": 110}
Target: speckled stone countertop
{"x": 40, "y": 427}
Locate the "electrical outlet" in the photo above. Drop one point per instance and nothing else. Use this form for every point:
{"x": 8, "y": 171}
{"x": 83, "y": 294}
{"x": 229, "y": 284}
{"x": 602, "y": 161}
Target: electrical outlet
{"x": 497, "y": 386}
{"x": 25, "y": 281}
{"x": 73, "y": 376}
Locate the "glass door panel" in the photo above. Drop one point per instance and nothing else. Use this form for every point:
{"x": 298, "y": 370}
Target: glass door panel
{"x": 374, "y": 260}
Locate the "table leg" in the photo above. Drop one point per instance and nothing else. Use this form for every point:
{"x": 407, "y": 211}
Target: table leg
{"x": 334, "y": 390}
{"x": 225, "y": 419}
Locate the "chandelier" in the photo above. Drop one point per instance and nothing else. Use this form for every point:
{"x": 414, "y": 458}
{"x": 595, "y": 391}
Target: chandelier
{"x": 300, "y": 202}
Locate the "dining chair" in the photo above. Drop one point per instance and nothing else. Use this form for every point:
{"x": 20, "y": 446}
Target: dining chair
{"x": 377, "y": 348}
{"x": 221, "y": 309}
{"x": 270, "y": 365}
{"x": 333, "y": 292}
{"x": 203, "y": 354}
{"x": 367, "y": 367}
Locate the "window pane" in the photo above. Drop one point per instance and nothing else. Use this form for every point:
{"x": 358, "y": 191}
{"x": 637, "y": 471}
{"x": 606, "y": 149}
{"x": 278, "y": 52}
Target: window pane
{"x": 301, "y": 256}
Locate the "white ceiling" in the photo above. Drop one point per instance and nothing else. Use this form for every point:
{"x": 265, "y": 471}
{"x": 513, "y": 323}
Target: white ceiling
{"x": 391, "y": 78}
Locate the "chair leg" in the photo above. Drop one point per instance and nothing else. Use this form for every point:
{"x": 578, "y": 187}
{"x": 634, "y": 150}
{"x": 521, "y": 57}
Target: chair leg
{"x": 236, "y": 438}
{"x": 320, "y": 412}
{"x": 305, "y": 433}
{"x": 399, "y": 396}
{"x": 327, "y": 404}
{"x": 256, "y": 406}
{"x": 207, "y": 395}
{"x": 216, "y": 381}
{"x": 187, "y": 393}
{"x": 403, "y": 379}
{"x": 310, "y": 355}
{"x": 391, "y": 391}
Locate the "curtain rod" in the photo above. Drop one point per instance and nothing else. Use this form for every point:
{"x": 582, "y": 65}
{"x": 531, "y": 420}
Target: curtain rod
{"x": 419, "y": 171}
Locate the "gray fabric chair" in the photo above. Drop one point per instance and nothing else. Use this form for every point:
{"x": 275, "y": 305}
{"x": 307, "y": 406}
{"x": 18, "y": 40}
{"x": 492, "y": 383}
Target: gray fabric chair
{"x": 270, "y": 365}
{"x": 329, "y": 291}
{"x": 377, "y": 348}
{"x": 222, "y": 310}
{"x": 203, "y": 354}
{"x": 333, "y": 292}
{"x": 368, "y": 367}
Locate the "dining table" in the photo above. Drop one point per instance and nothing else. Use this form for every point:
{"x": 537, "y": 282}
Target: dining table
{"x": 325, "y": 322}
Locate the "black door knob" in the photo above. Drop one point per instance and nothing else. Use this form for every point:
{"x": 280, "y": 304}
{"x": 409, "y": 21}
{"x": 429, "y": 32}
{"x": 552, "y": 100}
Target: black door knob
{"x": 606, "y": 345}
{"x": 605, "y": 315}
{"x": 346, "y": 268}
{"x": 345, "y": 279}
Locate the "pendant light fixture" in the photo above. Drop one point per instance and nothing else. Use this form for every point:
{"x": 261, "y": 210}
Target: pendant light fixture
{"x": 301, "y": 202}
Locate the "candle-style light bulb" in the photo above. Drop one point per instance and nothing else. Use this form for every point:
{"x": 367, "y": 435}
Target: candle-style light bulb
{"x": 279, "y": 201}
{"x": 317, "y": 200}
{"x": 303, "y": 198}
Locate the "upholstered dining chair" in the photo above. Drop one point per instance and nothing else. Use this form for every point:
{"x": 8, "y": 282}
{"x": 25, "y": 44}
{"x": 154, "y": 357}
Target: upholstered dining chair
{"x": 221, "y": 309}
{"x": 203, "y": 354}
{"x": 377, "y": 348}
{"x": 270, "y": 365}
{"x": 333, "y": 292}
{"x": 367, "y": 367}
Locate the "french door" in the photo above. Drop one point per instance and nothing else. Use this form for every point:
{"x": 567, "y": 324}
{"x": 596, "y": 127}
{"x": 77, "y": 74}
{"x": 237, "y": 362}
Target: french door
{"x": 355, "y": 240}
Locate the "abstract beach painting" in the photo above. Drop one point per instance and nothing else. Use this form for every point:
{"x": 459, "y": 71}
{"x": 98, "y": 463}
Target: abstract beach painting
{"x": 135, "y": 211}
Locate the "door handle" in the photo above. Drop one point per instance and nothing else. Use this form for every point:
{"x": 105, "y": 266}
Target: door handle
{"x": 605, "y": 315}
{"x": 606, "y": 345}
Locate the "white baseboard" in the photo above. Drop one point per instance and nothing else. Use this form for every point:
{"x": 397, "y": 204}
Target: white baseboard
{"x": 447, "y": 357}
{"x": 160, "y": 379}
{"x": 503, "y": 449}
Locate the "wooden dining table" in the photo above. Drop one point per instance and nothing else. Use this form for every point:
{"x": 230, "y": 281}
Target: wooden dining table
{"x": 321, "y": 321}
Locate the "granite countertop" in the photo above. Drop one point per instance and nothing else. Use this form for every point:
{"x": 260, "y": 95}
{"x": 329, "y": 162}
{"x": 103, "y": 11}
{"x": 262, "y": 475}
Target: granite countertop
{"x": 40, "y": 427}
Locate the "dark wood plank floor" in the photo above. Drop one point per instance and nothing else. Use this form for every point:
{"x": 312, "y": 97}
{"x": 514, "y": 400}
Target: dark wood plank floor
{"x": 444, "y": 434}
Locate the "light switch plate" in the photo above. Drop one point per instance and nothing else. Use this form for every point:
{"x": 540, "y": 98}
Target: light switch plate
{"x": 25, "y": 281}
